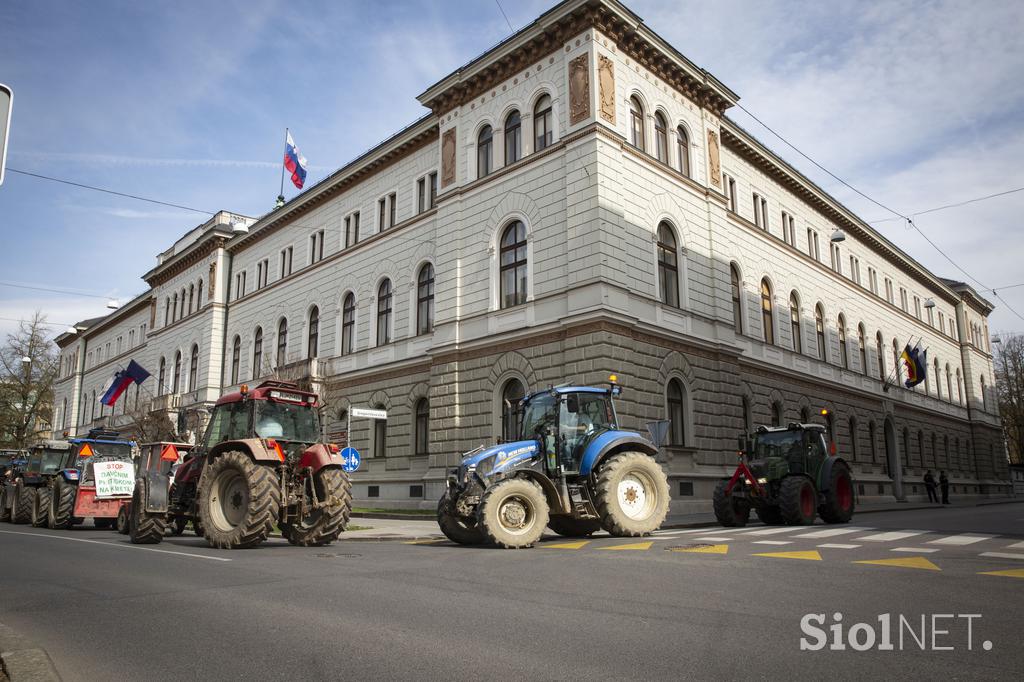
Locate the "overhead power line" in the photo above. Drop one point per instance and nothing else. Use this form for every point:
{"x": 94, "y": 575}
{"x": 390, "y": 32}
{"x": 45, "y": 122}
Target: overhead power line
{"x": 956, "y": 205}
{"x": 502, "y": 10}
{"x": 55, "y": 291}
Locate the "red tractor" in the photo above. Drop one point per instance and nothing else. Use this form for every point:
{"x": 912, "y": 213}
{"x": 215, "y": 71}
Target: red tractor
{"x": 262, "y": 463}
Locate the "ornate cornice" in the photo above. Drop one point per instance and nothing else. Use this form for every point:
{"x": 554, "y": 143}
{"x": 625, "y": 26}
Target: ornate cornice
{"x": 192, "y": 256}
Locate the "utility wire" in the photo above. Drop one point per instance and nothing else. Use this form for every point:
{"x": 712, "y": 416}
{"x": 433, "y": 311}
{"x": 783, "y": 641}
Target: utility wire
{"x": 498, "y": 3}
{"x": 55, "y": 291}
{"x": 109, "y": 191}
{"x": 956, "y": 205}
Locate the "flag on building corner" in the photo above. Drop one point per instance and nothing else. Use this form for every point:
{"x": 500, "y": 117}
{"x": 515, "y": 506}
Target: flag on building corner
{"x": 124, "y": 378}
{"x": 295, "y": 162}
{"x": 916, "y": 361}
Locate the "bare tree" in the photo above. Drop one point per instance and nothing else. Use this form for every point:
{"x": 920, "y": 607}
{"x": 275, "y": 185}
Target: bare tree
{"x": 28, "y": 367}
{"x": 1009, "y": 369}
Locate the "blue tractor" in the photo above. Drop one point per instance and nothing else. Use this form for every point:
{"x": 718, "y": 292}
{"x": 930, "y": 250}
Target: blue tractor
{"x": 572, "y": 469}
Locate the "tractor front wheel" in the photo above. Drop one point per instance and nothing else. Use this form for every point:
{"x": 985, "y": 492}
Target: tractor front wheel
{"x": 838, "y": 505}
{"x": 62, "y": 504}
{"x": 5, "y": 511}
{"x": 569, "y": 527}
{"x": 631, "y": 495}
{"x": 321, "y": 526}
{"x": 24, "y": 499}
{"x": 123, "y": 521}
{"x": 729, "y": 510}
{"x": 144, "y": 528}
{"x": 41, "y": 508}
{"x": 769, "y": 515}
{"x": 239, "y": 501}
{"x": 456, "y": 528}
{"x": 514, "y": 513}
{"x": 797, "y": 501}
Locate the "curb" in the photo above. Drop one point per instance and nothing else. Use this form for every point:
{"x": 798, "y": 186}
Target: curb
{"x": 392, "y": 517}
{"x": 23, "y": 661}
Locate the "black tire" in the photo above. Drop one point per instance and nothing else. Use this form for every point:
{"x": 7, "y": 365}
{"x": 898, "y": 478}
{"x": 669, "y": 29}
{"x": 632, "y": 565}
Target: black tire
{"x": 123, "y": 519}
{"x": 41, "y": 508}
{"x": 631, "y": 494}
{"x": 5, "y": 512}
{"x": 103, "y": 524}
{"x": 839, "y": 498}
{"x": 730, "y": 511}
{"x": 62, "y": 504}
{"x": 456, "y": 528}
{"x": 178, "y": 525}
{"x": 197, "y": 528}
{"x": 769, "y": 516}
{"x": 239, "y": 501}
{"x": 513, "y": 513}
{"x": 568, "y": 527}
{"x": 797, "y": 501}
{"x": 323, "y": 526}
{"x": 143, "y": 528}
{"x": 24, "y": 498}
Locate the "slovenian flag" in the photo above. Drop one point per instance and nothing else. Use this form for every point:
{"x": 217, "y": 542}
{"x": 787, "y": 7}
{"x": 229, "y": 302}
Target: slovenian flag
{"x": 295, "y": 162}
{"x": 134, "y": 373}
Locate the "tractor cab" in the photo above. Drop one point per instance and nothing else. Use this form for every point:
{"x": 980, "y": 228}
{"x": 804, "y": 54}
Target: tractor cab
{"x": 44, "y": 460}
{"x": 777, "y": 451}
{"x": 564, "y": 420}
{"x": 97, "y": 446}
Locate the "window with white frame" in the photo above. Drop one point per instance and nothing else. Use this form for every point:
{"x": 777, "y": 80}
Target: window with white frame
{"x": 760, "y": 211}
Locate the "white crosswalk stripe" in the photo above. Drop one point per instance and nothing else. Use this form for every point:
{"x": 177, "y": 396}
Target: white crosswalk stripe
{"x": 772, "y": 542}
{"x": 773, "y": 531}
{"x": 961, "y": 540}
{"x": 832, "y": 532}
{"x": 836, "y": 545}
{"x": 1003, "y": 555}
{"x": 915, "y": 550}
{"x": 1016, "y": 545}
{"x": 711, "y": 538}
{"x": 892, "y": 535}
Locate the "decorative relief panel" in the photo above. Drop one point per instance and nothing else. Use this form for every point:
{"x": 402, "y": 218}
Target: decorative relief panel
{"x": 714, "y": 159}
{"x": 213, "y": 281}
{"x": 448, "y": 157}
{"x": 579, "y": 89}
{"x": 606, "y": 87}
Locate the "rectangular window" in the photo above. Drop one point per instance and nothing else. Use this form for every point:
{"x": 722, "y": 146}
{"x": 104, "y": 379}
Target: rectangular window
{"x": 730, "y": 191}
{"x": 392, "y": 201}
{"x": 351, "y": 229}
{"x": 373, "y": 491}
{"x": 316, "y": 247}
{"x": 888, "y": 290}
{"x": 931, "y": 317}
{"x": 873, "y": 280}
{"x": 903, "y": 299}
{"x": 382, "y": 213}
{"x": 917, "y": 307}
{"x": 837, "y": 259}
{"x": 760, "y": 211}
{"x": 788, "y": 229}
{"x": 942, "y": 322}
{"x": 432, "y": 181}
{"x": 259, "y": 274}
{"x": 421, "y": 195}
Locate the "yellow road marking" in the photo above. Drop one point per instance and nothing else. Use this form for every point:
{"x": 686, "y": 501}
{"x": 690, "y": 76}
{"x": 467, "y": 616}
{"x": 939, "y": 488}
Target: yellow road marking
{"x": 909, "y": 562}
{"x": 565, "y": 545}
{"x": 811, "y": 555}
{"x": 709, "y": 549}
{"x": 431, "y": 541}
{"x": 1012, "y": 573}
{"x": 636, "y": 545}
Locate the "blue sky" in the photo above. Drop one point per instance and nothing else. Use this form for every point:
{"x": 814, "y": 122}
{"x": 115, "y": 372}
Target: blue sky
{"x": 916, "y": 104}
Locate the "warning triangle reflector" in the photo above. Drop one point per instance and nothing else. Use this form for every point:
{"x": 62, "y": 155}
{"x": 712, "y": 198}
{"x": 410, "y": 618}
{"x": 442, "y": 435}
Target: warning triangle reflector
{"x": 169, "y": 453}
{"x": 86, "y": 451}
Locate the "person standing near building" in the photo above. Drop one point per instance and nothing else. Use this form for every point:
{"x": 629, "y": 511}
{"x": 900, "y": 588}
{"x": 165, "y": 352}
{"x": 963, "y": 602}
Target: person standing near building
{"x": 944, "y": 484}
{"x": 929, "y": 484}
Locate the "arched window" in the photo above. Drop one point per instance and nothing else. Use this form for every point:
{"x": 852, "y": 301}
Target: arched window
{"x": 949, "y": 383}
{"x": 257, "y": 353}
{"x": 236, "y": 358}
{"x": 313, "y": 337}
{"x": 873, "y": 437}
{"x": 984, "y": 398}
{"x": 660, "y": 137}
{"x": 668, "y": 271}
{"x": 422, "y": 426}
{"x": 862, "y": 349}
{"x": 636, "y": 123}
{"x": 896, "y": 361}
{"x": 425, "y": 300}
{"x": 380, "y": 435}
{"x": 348, "y": 324}
{"x": 542, "y": 131}
{"x": 777, "y": 414}
{"x": 794, "y": 322}
{"x": 881, "y": 356}
{"x": 676, "y": 395}
{"x": 177, "y": 371}
{"x": 167, "y": 311}
{"x": 384, "y": 313}
{"x": 162, "y": 376}
{"x": 853, "y": 437}
{"x": 191, "y": 296}
{"x": 748, "y": 416}
{"x": 938, "y": 380}
{"x": 193, "y": 368}
{"x": 920, "y": 447}
{"x": 174, "y": 309}
{"x": 819, "y": 331}
{"x": 513, "y": 138}
{"x": 282, "y": 342}
{"x": 93, "y": 403}
{"x": 737, "y": 303}
{"x": 484, "y": 151}
{"x": 805, "y": 415}
{"x": 767, "y": 317}
{"x": 511, "y": 393}
{"x": 959, "y": 387}
{"x": 683, "y": 143}
{"x": 512, "y": 273}
{"x": 199, "y": 295}
{"x": 844, "y": 357}
{"x": 182, "y": 313}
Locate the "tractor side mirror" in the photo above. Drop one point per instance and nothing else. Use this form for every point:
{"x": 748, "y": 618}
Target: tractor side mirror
{"x": 741, "y": 443}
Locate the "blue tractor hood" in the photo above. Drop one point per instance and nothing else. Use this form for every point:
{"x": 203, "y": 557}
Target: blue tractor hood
{"x": 504, "y": 452}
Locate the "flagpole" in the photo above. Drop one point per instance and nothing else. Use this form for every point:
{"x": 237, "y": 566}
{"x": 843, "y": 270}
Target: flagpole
{"x": 280, "y": 197}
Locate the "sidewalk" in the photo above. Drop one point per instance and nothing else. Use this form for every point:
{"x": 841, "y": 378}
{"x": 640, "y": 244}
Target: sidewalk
{"x": 419, "y": 528}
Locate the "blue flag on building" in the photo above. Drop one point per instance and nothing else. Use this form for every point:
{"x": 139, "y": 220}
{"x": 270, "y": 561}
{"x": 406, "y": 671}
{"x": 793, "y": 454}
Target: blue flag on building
{"x": 916, "y": 361}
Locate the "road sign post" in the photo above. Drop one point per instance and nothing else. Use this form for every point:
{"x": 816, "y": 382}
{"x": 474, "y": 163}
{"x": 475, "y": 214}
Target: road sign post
{"x": 364, "y": 413}
{"x": 6, "y": 106}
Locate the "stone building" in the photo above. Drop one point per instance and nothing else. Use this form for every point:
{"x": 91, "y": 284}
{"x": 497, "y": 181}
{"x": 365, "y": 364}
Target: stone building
{"x": 576, "y": 203}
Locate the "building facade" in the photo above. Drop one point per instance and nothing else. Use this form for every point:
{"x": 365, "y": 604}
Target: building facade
{"x": 576, "y": 204}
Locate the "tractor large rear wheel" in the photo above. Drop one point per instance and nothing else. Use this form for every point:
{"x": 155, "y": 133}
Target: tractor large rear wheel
{"x": 631, "y": 495}
{"x": 144, "y": 528}
{"x": 514, "y": 513}
{"x": 730, "y": 511}
{"x": 239, "y": 501}
{"x": 568, "y": 527}
{"x": 41, "y": 507}
{"x": 769, "y": 515}
{"x": 797, "y": 501}
{"x": 838, "y": 505}
{"x": 123, "y": 521}
{"x": 5, "y": 511}
{"x": 24, "y": 498}
{"x": 322, "y": 526}
{"x": 456, "y": 528}
{"x": 62, "y": 503}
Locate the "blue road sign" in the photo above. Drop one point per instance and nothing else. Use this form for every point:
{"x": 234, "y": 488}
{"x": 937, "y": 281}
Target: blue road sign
{"x": 350, "y": 459}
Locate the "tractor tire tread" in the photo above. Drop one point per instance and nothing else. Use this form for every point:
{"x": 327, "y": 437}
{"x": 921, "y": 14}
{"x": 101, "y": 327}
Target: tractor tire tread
{"x": 789, "y": 501}
{"x": 726, "y": 512}
{"x": 455, "y": 528}
{"x": 264, "y": 506}
{"x": 570, "y": 527}
{"x": 613, "y": 519}
{"x": 41, "y": 508}
{"x": 487, "y": 513}
{"x": 335, "y": 484}
{"x": 23, "y": 501}
{"x": 143, "y": 528}
{"x": 62, "y": 505}
{"x": 830, "y": 511}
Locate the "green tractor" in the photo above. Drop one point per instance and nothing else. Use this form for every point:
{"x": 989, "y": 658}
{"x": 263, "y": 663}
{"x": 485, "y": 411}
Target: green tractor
{"x": 787, "y": 476}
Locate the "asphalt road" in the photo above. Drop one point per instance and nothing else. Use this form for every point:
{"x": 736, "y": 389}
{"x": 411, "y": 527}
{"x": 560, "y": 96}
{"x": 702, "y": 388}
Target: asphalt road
{"x": 682, "y": 604}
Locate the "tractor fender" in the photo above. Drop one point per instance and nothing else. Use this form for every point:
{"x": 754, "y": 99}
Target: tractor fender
{"x": 157, "y": 489}
{"x": 319, "y": 456}
{"x": 254, "y": 447}
{"x": 548, "y": 486}
{"x": 610, "y": 442}
{"x": 825, "y": 475}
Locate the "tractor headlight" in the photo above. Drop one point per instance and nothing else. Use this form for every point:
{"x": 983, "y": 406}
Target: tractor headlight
{"x": 762, "y": 481}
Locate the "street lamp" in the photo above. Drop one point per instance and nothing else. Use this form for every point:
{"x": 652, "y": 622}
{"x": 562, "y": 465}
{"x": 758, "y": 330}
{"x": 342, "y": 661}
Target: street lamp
{"x": 929, "y": 303}
{"x": 996, "y": 339}
{"x": 26, "y": 360}
{"x": 838, "y": 236}
{"x": 113, "y": 304}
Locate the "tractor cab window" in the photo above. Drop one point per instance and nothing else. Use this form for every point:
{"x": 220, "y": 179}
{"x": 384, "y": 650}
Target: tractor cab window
{"x": 581, "y": 416}
{"x": 541, "y": 412}
{"x": 779, "y": 444}
{"x": 296, "y": 422}
{"x": 228, "y": 422}
{"x": 51, "y": 461}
